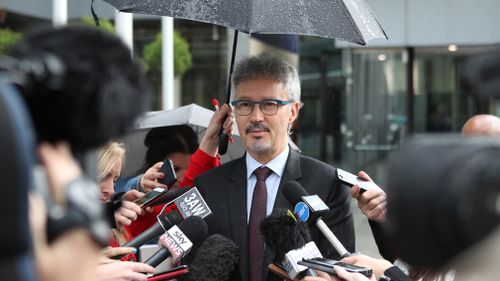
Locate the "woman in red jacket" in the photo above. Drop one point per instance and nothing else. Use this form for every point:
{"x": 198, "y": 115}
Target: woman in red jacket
{"x": 205, "y": 158}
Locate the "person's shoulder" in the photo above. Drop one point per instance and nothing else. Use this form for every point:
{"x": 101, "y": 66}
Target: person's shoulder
{"x": 221, "y": 171}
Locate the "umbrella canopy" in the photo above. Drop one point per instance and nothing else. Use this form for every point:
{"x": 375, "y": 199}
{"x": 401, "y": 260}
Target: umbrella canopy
{"x": 193, "y": 115}
{"x": 347, "y": 20}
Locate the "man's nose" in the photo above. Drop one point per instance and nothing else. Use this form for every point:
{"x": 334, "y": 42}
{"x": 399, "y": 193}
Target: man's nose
{"x": 256, "y": 114}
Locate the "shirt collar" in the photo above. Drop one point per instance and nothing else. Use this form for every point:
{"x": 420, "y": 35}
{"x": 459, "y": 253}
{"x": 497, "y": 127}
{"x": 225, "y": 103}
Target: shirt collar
{"x": 277, "y": 165}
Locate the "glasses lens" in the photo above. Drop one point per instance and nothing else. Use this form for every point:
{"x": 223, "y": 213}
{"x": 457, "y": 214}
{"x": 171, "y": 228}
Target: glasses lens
{"x": 269, "y": 107}
{"x": 244, "y": 107}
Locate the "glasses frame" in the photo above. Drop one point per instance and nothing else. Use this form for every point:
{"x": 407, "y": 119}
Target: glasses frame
{"x": 253, "y": 103}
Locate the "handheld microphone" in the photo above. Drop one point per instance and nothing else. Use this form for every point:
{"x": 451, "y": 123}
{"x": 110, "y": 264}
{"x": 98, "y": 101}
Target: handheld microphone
{"x": 297, "y": 196}
{"x": 190, "y": 203}
{"x": 166, "y": 222}
{"x": 214, "y": 260}
{"x": 178, "y": 240}
{"x": 291, "y": 241}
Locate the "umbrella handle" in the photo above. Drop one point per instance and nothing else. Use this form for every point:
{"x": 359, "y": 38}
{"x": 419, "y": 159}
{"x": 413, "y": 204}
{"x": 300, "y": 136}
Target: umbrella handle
{"x": 223, "y": 142}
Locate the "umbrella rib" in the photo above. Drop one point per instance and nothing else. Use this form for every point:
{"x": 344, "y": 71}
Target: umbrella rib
{"x": 350, "y": 17}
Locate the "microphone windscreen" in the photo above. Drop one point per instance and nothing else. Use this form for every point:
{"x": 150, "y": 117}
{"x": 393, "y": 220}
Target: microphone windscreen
{"x": 293, "y": 192}
{"x": 195, "y": 228}
{"x": 282, "y": 233}
{"x": 214, "y": 260}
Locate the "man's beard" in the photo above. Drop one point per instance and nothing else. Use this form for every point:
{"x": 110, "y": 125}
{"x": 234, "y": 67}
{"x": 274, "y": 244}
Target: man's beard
{"x": 260, "y": 146}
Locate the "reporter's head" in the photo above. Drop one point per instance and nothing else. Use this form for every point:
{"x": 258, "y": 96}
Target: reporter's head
{"x": 101, "y": 88}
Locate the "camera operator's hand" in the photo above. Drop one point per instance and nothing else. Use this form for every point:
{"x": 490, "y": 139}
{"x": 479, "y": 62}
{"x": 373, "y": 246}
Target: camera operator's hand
{"x": 149, "y": 180}
{"x": 127, "y": 213}
{"x": 61, "y": 168}
{"x": 223, "y": 117}
{"x": 373, "y": 202}
{"x": 123, "y": 271}
{"x": 377, "y": 265}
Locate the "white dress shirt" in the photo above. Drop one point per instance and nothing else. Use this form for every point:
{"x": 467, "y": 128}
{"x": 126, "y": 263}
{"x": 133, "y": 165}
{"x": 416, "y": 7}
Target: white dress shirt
{"x": 277, "y": 165}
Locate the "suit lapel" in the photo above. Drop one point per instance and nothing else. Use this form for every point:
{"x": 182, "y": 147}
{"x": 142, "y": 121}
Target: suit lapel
{"x": 238, "y": 205}
{"x": 292, "y": 172}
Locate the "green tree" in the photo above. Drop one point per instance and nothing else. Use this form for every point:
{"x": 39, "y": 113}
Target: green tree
{"x": 8, "y": 38}
{"x": 182, "y": 55}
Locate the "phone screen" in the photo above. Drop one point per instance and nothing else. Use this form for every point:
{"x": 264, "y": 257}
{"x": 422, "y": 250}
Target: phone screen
{"x": 327, "y": 266}
{"x": 351, "y": 179}
{"x": 168, "y": 170}
{"x": 149, "y": 197}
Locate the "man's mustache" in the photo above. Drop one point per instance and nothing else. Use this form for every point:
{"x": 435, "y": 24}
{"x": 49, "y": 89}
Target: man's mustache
{"x": 256, "y": 126}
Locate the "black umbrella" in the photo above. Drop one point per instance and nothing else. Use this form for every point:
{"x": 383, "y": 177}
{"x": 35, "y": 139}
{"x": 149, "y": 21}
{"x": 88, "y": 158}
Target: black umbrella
{"x": 347, "y": 20}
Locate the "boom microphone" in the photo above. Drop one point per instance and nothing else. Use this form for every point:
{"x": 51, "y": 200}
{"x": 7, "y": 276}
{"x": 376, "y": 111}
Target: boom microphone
{"x": 296, "y": 194}
{"x": 166, "y": 222}
{"x": 214, "y": 260}
{"x": 290, "y": 240}
{"x": 178, "y": 240}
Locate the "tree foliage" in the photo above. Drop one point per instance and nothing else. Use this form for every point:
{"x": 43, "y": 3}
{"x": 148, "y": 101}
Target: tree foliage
{"x": 182, "y": 56}
{"x": 104, "y": 24}
{"x": 8, "y": 38}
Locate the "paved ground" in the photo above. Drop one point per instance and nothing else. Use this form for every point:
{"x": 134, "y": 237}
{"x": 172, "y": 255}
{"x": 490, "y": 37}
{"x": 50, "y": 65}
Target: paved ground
{"x": 364, "y": 239}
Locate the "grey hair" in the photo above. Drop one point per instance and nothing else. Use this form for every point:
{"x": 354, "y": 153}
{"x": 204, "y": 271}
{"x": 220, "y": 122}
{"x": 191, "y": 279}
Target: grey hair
{"x": 267, "y": 66}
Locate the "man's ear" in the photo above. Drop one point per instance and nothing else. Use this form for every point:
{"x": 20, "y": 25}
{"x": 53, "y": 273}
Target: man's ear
{"x": 294, "y": 109}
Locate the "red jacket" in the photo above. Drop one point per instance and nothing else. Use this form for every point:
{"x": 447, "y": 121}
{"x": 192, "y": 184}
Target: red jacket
{"x": 199, "y": 163}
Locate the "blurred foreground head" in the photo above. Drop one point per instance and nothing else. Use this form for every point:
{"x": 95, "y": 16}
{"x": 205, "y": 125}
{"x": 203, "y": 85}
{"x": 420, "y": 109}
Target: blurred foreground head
{"x": 443, "y": 193}
{"x": 92, "y": 89}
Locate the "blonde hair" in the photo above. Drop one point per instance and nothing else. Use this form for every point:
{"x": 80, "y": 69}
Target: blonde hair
{"x": 107, "y": 157}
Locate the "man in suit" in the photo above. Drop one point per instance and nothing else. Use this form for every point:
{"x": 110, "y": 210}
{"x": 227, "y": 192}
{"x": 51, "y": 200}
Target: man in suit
{"x": 242, "y": 192}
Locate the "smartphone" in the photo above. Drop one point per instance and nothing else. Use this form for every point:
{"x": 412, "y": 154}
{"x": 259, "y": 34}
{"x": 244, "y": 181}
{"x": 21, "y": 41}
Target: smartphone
{"x": 168, "y": 170}
{"x": 150, "y": 197}
{"x": 168, "y": 274}
{"x": 351, "y": 179}
{"x": 326, "y": 265}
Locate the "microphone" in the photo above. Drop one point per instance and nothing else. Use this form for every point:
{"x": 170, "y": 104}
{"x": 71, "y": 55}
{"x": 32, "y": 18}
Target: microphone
{"x": 178, "y": 240}
{"x": 214, "y": 260}
{"x": 189, "y": 203}
{"x": 291, "y": 241}
{"x": 165, "y": 222}
{"x": 297, "y": 196}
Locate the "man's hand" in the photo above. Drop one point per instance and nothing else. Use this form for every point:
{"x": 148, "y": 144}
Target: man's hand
{"x": 123, "y": 271}
{"x": 223, "y": 117}
{"x": 110, "y": 252}
{"x": 149, "y": 180}
{"x": 127, "y": 213}
{"x": 373, "y": 202}
{"x": 377, "y": 265}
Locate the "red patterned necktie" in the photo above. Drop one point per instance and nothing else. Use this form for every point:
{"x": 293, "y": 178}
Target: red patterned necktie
{"x": 257, "y": 214}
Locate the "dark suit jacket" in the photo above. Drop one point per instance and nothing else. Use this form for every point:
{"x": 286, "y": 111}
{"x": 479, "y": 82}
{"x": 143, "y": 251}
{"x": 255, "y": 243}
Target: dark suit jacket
{"x": 224, "y": 190}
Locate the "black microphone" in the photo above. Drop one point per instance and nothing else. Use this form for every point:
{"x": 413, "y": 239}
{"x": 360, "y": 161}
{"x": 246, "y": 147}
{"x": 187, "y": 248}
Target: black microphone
{"x": 290, "y": 239}
{"x": 214, "y": 260}
{"x": 166, "y": 222}
{"x": 297, "y": 196}
{"x": 178, "y": 240}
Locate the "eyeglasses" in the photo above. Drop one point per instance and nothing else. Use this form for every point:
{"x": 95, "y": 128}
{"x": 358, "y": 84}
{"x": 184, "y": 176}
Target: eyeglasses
{"x": 267, "y": 107}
